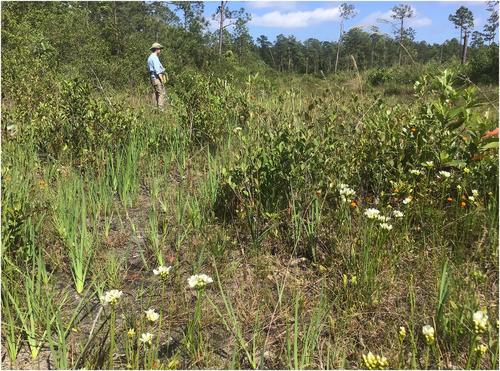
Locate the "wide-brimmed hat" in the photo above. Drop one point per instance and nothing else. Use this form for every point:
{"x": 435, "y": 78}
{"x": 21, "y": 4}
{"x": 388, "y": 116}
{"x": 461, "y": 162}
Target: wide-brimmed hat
{"x": 156, "y": 46}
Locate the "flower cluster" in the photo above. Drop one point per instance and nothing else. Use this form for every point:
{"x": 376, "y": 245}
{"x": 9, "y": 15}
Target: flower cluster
{"x": 372, "y": 213}
{"x": 346, "y": 193}
{"x": 397, "y": 214}
{"x": 416, "y": 172}
{"x": 428, "y": 332}
{"x": 386, "y": 226}
{"x": 375, "y": 362}
{"x": 111, "y": 297}
{"x": 402, "y": 333}
{"x": 162, "y": 271}
{"x": 199, "y": 280}
{"x": 383, "y": 219}
{"x": 481, "y": 349}
{"x": 353, "y": 281}
{"x": 151, "y": 315}
{"x": 475, "y": 194}
{"x": 147, "y": 339}
{"x": 444, "y": 174}
{"x": 480, "y": 319}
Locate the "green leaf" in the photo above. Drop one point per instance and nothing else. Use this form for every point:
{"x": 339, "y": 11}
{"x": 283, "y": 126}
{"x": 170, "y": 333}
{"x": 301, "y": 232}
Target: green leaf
{"x": 491, "y": 145}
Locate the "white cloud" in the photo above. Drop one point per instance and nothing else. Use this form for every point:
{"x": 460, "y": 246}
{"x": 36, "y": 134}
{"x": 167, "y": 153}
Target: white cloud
{"x": 417, "y": 21}
{"x": 296, "y": 19}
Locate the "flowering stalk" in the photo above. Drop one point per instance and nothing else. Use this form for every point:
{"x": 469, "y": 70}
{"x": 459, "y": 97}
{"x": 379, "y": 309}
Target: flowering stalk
{"x": 111, "y": 298}
{"x": 130, "y": 355}
{"x": 401, "y": 336}
{"x": 112, "y": 337}
{"x": 429, "y": 335}
{"x": 194, "y": 336}
{"x": 480, "y": 321}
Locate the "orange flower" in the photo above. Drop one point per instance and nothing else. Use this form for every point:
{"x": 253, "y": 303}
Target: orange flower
{"x": 449, "y": 199}
{"x": 354, "y": 204}
{"x": 396, "y": 190}
{"x": 463, "y": 197}
{"x": 463, "y": 204}
{"x": 413, "y": 130}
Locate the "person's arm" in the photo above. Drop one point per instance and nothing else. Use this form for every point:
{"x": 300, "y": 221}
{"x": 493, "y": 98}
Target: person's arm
{"x": 158, "y": 67}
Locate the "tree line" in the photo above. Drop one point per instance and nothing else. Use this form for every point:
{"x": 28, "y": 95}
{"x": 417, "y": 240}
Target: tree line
{"x": 109, "y": 41}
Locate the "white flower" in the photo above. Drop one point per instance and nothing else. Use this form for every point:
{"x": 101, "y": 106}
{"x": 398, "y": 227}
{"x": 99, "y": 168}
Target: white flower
{"x": 480, "y": 320}
{"x": 346, "y": 193}
{"x": 151, "y": 315}
{"x": 111, "y": 297}
{"x": 162, "y": 271}
{"x": 471, "y": 198}
{"x": 416, "y": 172}
{"x": 372, "y": 213}
{"x": 445, "y": 174}
{"x": 199, "y": 280}
{"x": 475, "y": 192}
{"x": 459, "y": 187}
{"x": 386, "y": 226}
{"x": 147, "y": 338}
{"x": 429, "y": 163}
{"x": 382, "y": 218}
{"x": 428, "y": 332}
{"x": 407, "y": 200}
{"x": 397, "y": 214}
{"x": 466, "y": 170}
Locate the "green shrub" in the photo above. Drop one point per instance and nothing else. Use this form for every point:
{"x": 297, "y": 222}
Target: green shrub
{"x": 210, "y": 106}
{"x": 73, "y": 124}
{"x": 483, "y": 65}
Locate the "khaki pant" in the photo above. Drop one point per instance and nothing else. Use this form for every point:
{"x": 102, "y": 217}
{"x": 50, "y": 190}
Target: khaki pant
{"x": 159, "y": 92}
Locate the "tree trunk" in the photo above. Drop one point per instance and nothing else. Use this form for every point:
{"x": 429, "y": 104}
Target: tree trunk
{"x": 371, "y": 56}
{"x": 400, "y": 40}
{"x": 272, "y": 57}
{"x": 460, "y": 43}
{"x": 289, "y": 60}
{"x": 338, "y": 46}
{"x": 464, "y": 50}
{"x": 221, "y": 26}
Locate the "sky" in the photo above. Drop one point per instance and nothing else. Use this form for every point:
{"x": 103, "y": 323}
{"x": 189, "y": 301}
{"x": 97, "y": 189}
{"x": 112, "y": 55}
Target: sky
{"x": 320, "y": 19}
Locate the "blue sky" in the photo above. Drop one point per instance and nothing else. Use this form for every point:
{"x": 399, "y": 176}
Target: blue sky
{"x": 320, "y": 19}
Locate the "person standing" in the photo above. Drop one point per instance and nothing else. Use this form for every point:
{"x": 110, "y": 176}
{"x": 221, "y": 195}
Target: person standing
{"x": 157, "y": 74}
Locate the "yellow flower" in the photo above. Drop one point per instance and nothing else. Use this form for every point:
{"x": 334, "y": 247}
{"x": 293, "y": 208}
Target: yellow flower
{"x": 131, "y": 333}
{"x": 402, "y": 333}
{"x": 481, "y": 349}
{"x": 375, "y": 362}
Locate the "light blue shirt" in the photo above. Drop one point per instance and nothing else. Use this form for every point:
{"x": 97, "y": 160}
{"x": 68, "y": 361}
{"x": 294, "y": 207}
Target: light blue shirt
{"x": 154, "y": 66}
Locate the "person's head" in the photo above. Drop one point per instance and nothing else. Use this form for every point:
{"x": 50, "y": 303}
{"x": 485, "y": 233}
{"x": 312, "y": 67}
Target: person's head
{"x": 156, "y": 48}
